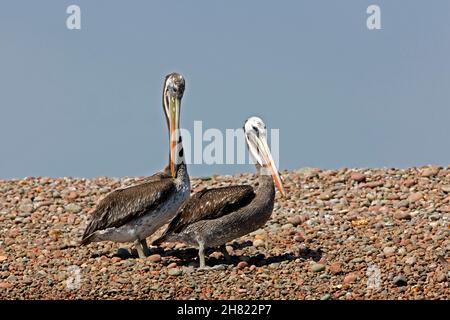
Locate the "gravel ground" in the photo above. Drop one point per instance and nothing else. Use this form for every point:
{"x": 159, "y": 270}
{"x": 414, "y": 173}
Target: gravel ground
{"x": 345, "y": 234}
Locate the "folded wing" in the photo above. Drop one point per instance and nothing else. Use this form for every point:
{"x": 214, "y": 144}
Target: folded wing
{"x": 209, "y": 204}
{"x": 124, "y": 205}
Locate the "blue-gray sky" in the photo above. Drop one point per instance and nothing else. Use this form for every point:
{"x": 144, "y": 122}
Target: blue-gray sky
{"x": 88, "y": 102}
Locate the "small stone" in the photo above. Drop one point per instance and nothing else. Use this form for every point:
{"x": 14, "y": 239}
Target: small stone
{"x": 402, "y": 204}
{"x": 415, "y": 197}
{"x": 358, "y": 177}
{"x": 430, "y": 172}
{"x": 325, "y": 196}
{"x": 175, "y": 272}
{"x": 409, "y": 183}
{"x": 219, "y": 267}
{"x": 242, "y": 265}
{"x": 55, "y": 233}
{"x": 350, "y": 278}
{"x": 335, "y": 268}
{"x": 5, "y": 285}
{"x": 180, "y": 245}
{"x": 122, "y": 280}
{"x": 402, "y": 215}
{"x": 308, "y": 172}
{"x": 3, "y": 258}
{"x": 115, "y": 259}
{"x": 287, "y": 226}
{"x": 446, "y": 188}
{"x": 441, "y": 277}
{"x": 258, "y": 243}
{"x": 215, "y": 254}
{"x": 72, "y": 207}
{"x": 295, "y": 220}
{"x": 154, "y": 258}
{"x": 172, "y": 265}
{"x": 317, "y": 267}
{"x": 326, "y": 296}
{"x": 27, "y": 280}
{"x": 72, "y": 196}
{"x": 388, "y": 251}
{"x": 260, "y": 237}
{"x": 230, "y": 249}
{"x": 411, "y": 261}
{"x": 435, "y": 217}
{"x": 26, "y": 208}
{"x": 400, "y": 281}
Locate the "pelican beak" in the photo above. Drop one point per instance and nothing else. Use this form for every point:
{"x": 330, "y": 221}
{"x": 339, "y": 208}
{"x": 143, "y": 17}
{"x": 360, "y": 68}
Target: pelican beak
{"x": 174, "y": 122}
{"x": 268, "y": 160}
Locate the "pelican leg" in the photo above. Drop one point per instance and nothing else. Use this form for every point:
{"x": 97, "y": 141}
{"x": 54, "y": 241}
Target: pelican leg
{"x": 139, "y": 248}
{"x": 225, "y": 253}
{"x": 201, "y": 254}
{"x": 145, "y": 247}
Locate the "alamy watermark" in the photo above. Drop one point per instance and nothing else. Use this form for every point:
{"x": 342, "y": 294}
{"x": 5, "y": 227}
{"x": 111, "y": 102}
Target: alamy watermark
{"x": 373, "y": 22}
{"x": 73, "y": 21}
{"x": 373, "y": 274}
{"x": 73, "y": 282}
{"x": 214, "y": 146}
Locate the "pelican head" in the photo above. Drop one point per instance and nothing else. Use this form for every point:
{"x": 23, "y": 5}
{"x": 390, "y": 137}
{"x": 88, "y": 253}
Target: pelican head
{"x": 172, "y": 94}
{"x": 256, "y": 137}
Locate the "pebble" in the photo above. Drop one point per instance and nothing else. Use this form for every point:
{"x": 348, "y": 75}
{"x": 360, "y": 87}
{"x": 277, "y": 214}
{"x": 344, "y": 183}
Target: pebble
{"x": 287, "y": 226}
{"x": 26, "y": 208}
{"x": 411, "y": 261}
{"x": 72, "y": 208}
{"x": 258, "y": 243}
{"x": 400, "y": 281}
{"x": 347, "y": 233}
{"x": 5, "y": 285}
{"x": 295, "y": 220}
{"x": 358, "y": 177}
{"x": 115, "y": 259}
{"x": 175, "y": 272}
{"x": 335, "y": 268}
{"x": 242, "y": 265}
{"x": 325, "y": 196}
{"x": 317, "y": 267}
{"x": 429, "y": 172}
{"x": 154, "y": 258}
{"x": 389, "y": 250}
{"x": 415, "y": 197}
{"x": 350, "y": 278}
{"x": 402, "y": 215}
{"x": 402, "y": 204}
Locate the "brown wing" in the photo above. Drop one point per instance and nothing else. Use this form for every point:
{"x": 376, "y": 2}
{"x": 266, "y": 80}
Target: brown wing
{"x": 123, "y": 205}
{"x": 210, "y": 204}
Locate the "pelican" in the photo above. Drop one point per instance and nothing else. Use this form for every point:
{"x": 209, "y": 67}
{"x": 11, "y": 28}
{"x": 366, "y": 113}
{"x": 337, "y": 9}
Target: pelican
{"x": 134, "y": 213}
{"x": 213, "y": 217}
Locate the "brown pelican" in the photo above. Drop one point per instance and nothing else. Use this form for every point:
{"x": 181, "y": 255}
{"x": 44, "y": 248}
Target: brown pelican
{"x": 213, "y": 217}
{"x": 132, "y": 214}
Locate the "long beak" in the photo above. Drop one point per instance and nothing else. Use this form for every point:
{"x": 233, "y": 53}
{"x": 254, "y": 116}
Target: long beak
{"x": 267, "y": 156}
{"x": 174, "y": 122}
